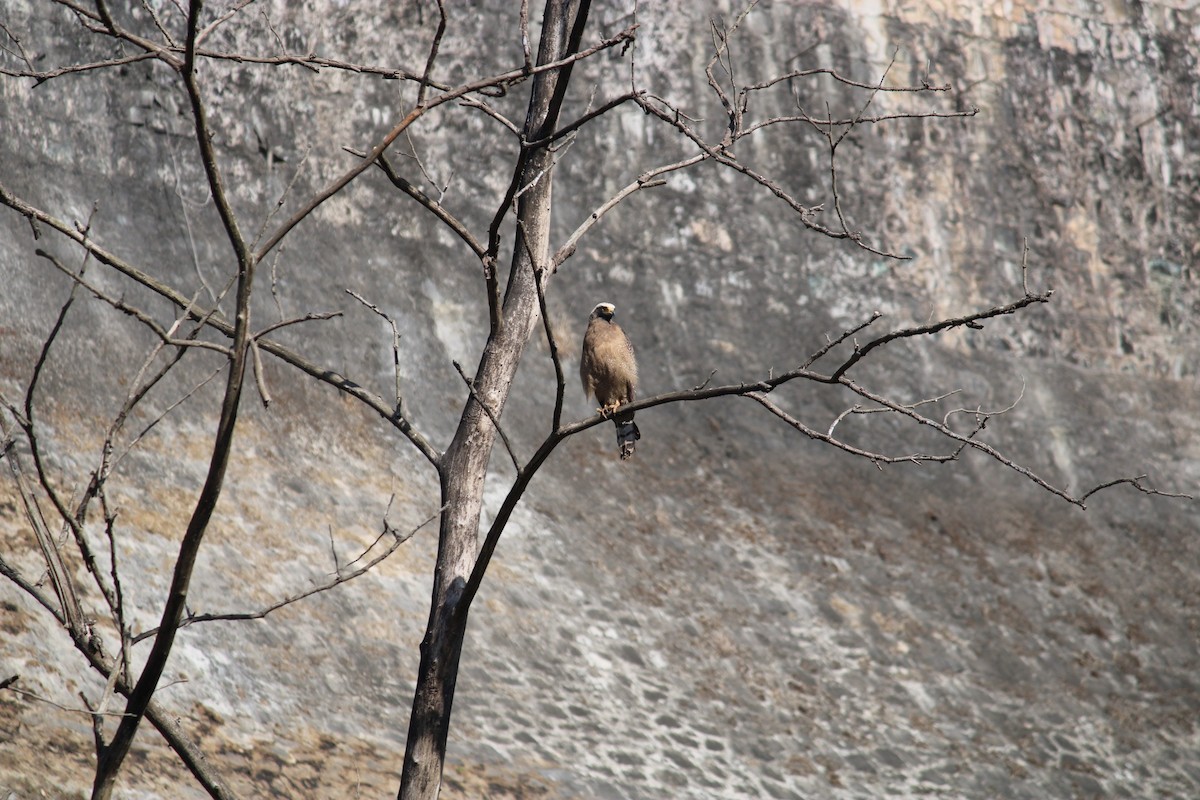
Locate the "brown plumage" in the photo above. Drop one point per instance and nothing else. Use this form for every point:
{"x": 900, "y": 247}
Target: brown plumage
{"x": 609, "y": 373}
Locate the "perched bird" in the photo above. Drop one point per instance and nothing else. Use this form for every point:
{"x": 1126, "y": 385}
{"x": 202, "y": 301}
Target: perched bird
{"x": 609, "y": 373}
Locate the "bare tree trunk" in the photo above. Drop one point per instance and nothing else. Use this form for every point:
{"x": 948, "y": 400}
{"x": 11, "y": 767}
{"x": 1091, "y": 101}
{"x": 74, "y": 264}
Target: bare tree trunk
{"x": 110, "y": 757}
{"x": 464, "y": 465}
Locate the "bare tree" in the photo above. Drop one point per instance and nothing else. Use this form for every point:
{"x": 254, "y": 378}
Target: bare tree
{"x": 183, "y": 41}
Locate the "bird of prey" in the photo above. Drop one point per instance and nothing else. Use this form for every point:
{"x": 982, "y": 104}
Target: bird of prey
{"x": 609, "y": 373}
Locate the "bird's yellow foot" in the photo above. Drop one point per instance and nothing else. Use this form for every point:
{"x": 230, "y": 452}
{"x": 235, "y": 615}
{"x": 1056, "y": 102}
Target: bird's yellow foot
{"x": 607, "y": 410}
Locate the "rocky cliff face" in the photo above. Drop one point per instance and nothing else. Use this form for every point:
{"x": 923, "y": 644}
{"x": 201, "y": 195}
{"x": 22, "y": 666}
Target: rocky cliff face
{"x": 737, "y": 612}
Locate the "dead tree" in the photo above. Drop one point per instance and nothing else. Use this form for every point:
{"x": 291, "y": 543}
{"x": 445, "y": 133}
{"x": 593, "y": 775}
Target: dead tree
{"x": 181, "y": 42}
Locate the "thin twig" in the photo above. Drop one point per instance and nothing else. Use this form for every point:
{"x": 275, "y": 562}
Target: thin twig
{"x": 1136, "y": 483}
{"x": 864, "y": 410}
{"x": 539, "y": 279}
{"x": 400, "y": 409}
{"x": 166, "y": 412}
{"x": 524, "y": 27}
{"x": 433, "y": 52}
{"x": 73, "y": 710}
{"x": 40, "y": 77}
{"x": 706, "y": 382}
{"x": 969, "y": 320}
{"x": 487, "y": 410}
{"x": 309, "y": 317}
{"x": 260, "y": 377}
{"x": 124, "y": 307}
{"x": 832, "y": 343}
{"x": 338, "y": 579}
{"x": 433, "y": 206}
{"x": 509, "y": 125}
{"x": 647, "y": 180}
{"x": 861, "y": 120}
{"x": 828, "y": 438}
{"x": 262, "y": 228}
{"x": 149, "y": 9}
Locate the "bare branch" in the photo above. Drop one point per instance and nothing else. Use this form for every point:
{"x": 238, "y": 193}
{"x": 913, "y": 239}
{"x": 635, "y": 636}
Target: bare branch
{"x": 260, "y": 378}
{"x": 166, "y": 34}
{"x": 433, "y": 206}
{"x": 21, "y": 53}
{"x": 110, "y": 760}
{"x": 828, "y": 437}
{"x": 503, "y": 79}
{"x": 218, "y": 322}
{"x": 472, "y": 102}
{"x": 647, "y": 180}
{"x": 584, "y": 119}
{"x": 309, "y": 317}
{"x": 208, "y": 156}
{"x": 735, "y": 106}
{"x": 975, "y": 444}
{"x": 722, "y": 55}
{"x": 122, "y": 667}
{"x": 706, "y": 382}
{"x": 539, "y": 277}
{"x": 675, "y": 118}
{"x": 433, "y": 51}
{"x": 524, "y": 26}
{"x": 167, "y": 411}
{"x": 40, "y": 77}
{"x": 832, "y": 343}
{"x": 279, "y": 39}
{"x": 1136, "y": 483}
{"x": 828, "y": 121}
{"x": 808, "y": 73}
{"x": 70, "y": 709}
{"x": 30, "y": 588}
{"x": 166, "y": 724}
{"x": 400, "y": 410}
{"x": 316, "y": 63}
{"x": 441, "y": 189}
{"x": 64, "y": 587}
{"x": 221, "y": 20}
{"x": 339, "y": 578}
{"x": 491, "y": 415}
{"x": 141, "y": 316}
{"x": 978, "y": 412}
{"x": 970, "y": 320}
{"x": 69, "y": 610}
{"x": 262, "y": 228}
{"x": 833, "y": 142}
{"x": 100, "y": 21}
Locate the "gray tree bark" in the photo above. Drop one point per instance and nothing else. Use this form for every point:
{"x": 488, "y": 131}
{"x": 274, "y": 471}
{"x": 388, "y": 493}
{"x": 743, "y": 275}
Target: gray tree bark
{"x": 464, "y": 465}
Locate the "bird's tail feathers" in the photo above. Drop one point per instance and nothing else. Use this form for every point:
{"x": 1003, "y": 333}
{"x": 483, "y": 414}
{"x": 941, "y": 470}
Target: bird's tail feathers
{"x": 627, "y": 434}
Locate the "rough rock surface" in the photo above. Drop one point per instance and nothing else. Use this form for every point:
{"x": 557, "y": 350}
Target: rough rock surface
{"x": 738, "y": 612}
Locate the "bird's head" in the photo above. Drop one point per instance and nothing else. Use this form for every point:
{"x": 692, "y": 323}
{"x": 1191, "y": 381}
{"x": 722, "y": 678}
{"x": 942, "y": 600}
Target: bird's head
{"x": 603, "y": 311}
